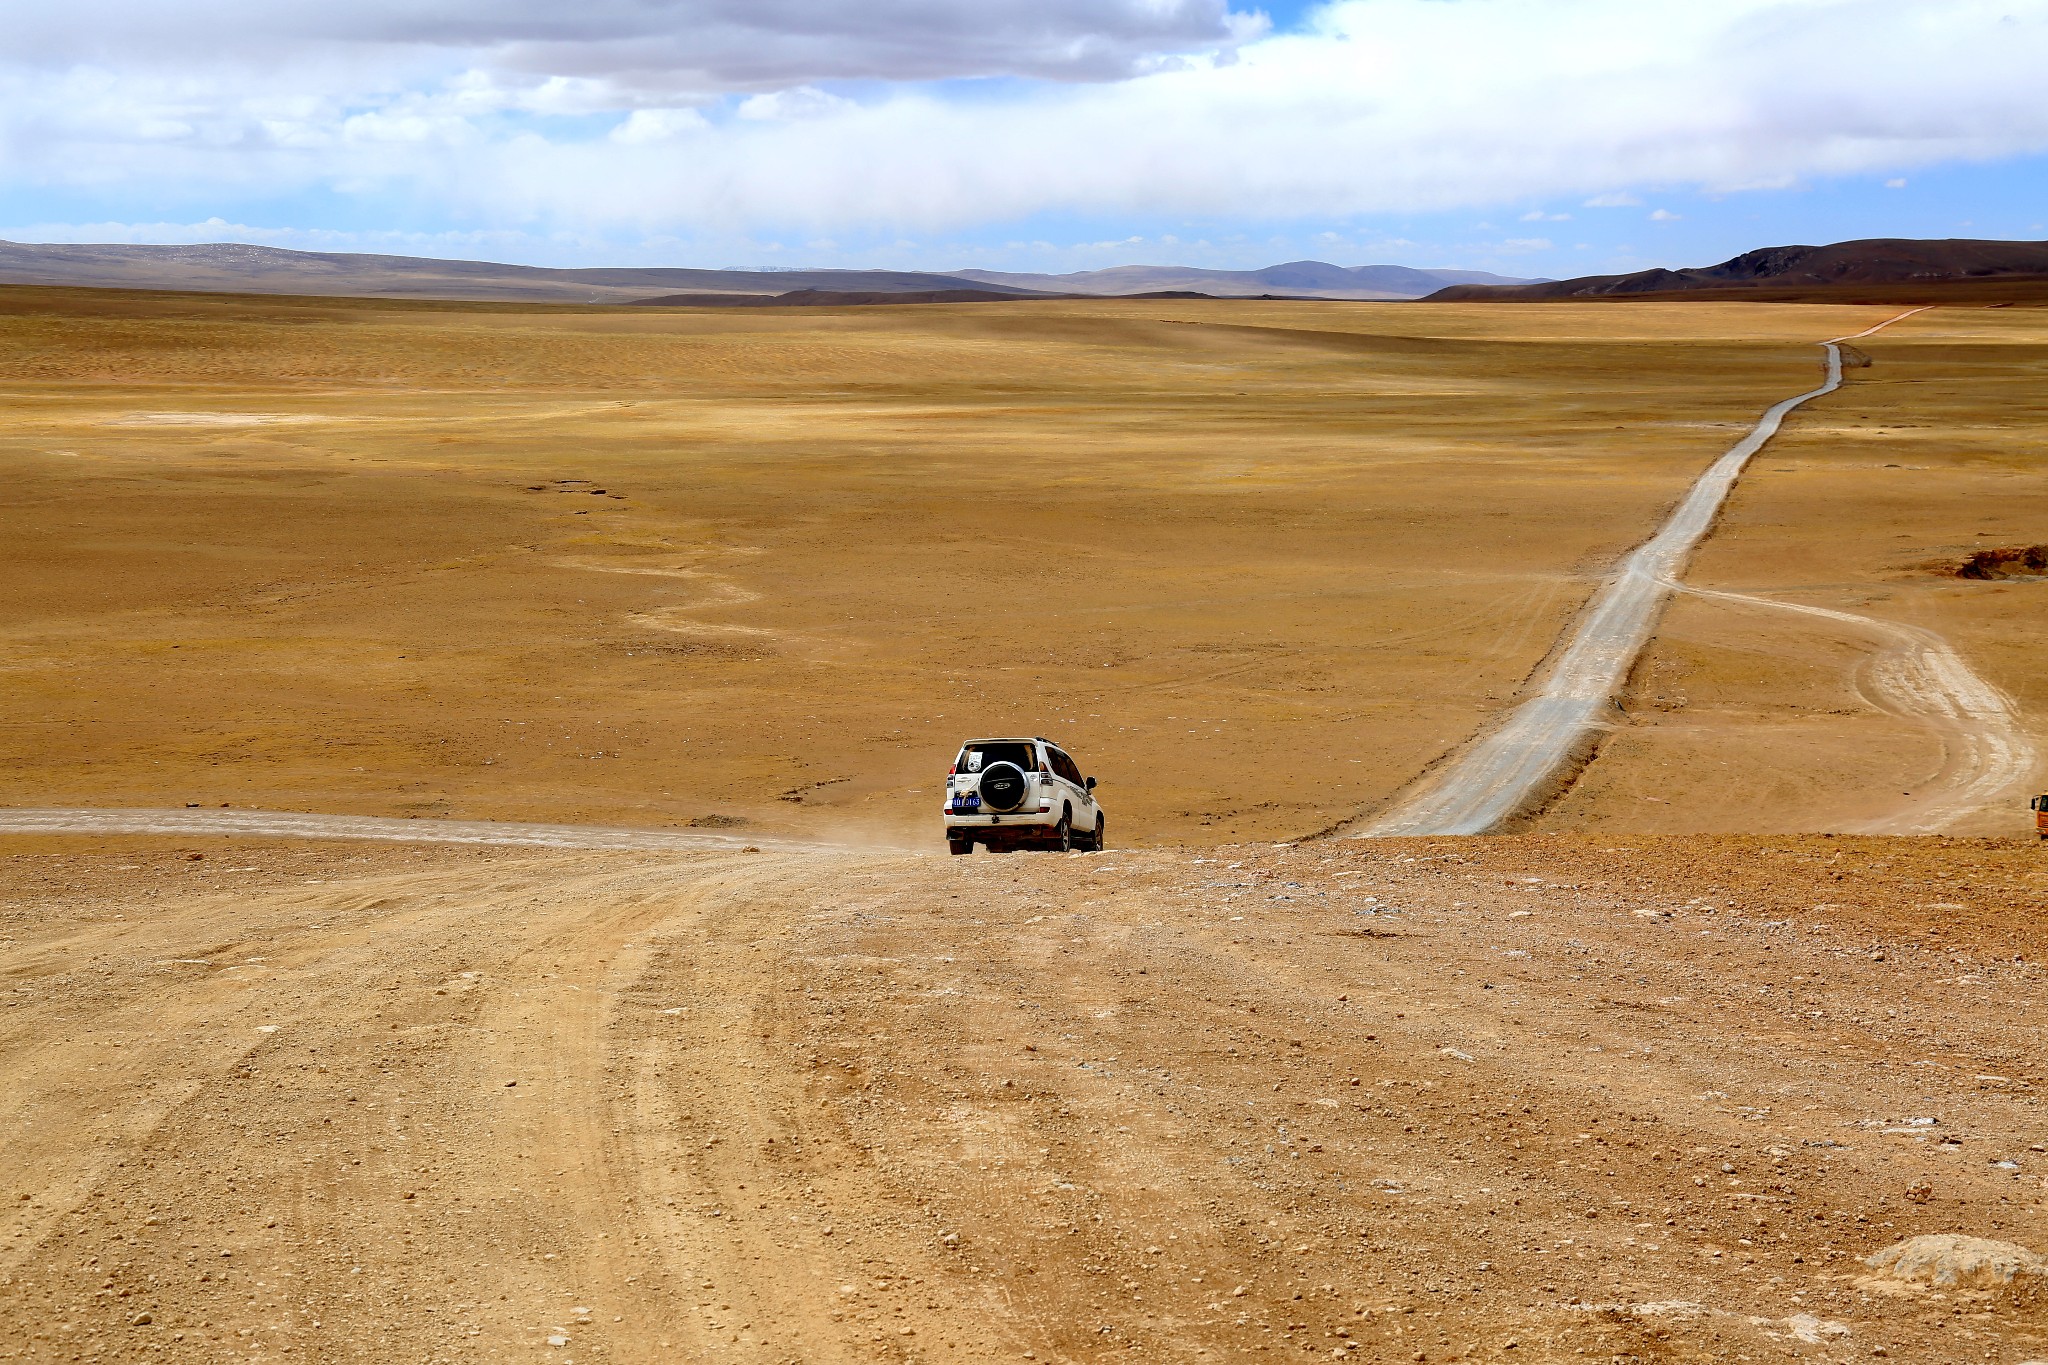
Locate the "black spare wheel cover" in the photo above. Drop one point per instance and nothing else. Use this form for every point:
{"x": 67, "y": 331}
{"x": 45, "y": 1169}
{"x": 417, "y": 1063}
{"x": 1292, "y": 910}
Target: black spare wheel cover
{"x": 1002, "y": 786}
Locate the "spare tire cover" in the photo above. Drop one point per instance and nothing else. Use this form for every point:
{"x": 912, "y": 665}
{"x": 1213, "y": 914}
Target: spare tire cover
{"x": 1002, "y": 787}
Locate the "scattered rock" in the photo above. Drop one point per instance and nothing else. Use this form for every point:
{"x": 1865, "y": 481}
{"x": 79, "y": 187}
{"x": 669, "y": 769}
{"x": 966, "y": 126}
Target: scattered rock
{"x": 1920, "y": 1191}
{"x": 1948, "y": 1260}
{"x": 1808, "y": 1328}
{"x": 2009, "y": 561}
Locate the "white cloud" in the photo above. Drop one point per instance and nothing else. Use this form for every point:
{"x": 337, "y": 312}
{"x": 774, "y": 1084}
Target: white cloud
{"x": 1897, "y": 183}
{"x": 609, "y": 115}
{"x": 1665, "y": 216}
{"x": 1539, "y": 216}
{"x": 804, "y": 102}
{"x": 453, "y": 245}
{"x": 644, "y": 126}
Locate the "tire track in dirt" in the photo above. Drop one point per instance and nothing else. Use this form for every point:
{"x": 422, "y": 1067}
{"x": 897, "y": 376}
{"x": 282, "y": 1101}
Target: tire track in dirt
{"x": 1987, "y": 753}
{"x": 1523, "y": 762}
{"x": 873, "y": 1110}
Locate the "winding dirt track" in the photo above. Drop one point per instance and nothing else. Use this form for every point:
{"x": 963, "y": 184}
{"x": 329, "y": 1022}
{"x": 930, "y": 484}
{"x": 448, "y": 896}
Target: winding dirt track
{"x": 1518, "y": 765}
{"x": 1503, "y": 1099}
{"x": 1987, "y": 754}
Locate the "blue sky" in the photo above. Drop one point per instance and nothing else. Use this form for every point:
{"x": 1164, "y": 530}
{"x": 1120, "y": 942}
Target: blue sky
{"x": 1538, "y": 137}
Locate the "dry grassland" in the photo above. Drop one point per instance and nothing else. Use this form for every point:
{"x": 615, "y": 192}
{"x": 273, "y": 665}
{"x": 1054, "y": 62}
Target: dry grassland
{"x": 1256, "y": 563}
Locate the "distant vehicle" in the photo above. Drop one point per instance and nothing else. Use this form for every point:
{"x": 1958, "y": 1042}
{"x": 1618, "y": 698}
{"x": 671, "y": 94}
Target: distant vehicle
{"x": 2040, "y": 808}
{"x": 1008, "y": 794}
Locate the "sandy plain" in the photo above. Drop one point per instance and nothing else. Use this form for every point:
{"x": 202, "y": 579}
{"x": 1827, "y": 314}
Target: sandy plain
{"x": 1626, "y": 1095}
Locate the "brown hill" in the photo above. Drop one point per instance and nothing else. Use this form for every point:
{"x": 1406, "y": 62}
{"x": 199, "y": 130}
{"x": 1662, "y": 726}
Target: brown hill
{"x": 1875, "y": 270}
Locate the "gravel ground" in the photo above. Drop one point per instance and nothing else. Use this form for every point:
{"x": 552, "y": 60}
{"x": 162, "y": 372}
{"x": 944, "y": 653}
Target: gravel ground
{"x": 1532, "y": 1098}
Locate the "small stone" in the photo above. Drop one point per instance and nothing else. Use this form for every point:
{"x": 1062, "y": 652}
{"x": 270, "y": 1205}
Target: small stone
{"x": 558, "y": 1340}
{"x": 1920, "y": 1191}
{"x": 951, "y": 1239}
{"x": 141, "y": 1320}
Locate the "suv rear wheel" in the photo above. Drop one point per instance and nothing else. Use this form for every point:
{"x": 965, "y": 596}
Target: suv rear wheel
{"x": 1063, "y": 834}
{"x": 959, "y": 846}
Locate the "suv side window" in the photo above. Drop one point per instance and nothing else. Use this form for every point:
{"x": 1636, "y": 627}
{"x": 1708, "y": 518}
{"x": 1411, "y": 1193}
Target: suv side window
{"x": 1065, "y": 767}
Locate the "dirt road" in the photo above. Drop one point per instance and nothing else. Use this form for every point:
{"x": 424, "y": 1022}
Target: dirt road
{"x": 1507, "y": 1099}
{"x": 1520, "y": 763}
{"x": 1988, "y": 756}
{"x": 307, "y": 825}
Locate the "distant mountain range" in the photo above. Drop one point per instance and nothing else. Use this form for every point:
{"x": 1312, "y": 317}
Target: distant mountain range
{"x": 234, "y": 268}
{"x": 227, "y": 267}
{"x": 1316, "y": 279}
{"x": 1875, "y": 270}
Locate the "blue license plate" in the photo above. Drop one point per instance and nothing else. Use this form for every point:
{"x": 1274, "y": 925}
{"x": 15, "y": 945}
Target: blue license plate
{"x": 967, "y": 803}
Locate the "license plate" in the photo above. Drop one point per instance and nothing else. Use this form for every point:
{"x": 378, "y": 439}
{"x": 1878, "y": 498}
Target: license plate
{"x": 967, "y": 803}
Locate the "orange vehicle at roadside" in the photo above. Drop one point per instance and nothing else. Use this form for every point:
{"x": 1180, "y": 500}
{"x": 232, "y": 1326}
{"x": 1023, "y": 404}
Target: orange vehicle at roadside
{"x": 2040, "y": 808}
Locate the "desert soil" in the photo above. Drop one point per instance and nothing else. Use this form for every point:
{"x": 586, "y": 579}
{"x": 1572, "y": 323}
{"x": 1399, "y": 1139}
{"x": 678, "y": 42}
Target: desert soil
{"x": 1529, "y": 1098}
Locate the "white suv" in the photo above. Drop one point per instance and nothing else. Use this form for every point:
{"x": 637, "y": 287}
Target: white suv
{"x": 1019, "y": 793}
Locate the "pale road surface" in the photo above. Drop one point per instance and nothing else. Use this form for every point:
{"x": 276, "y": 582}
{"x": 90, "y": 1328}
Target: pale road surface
{"x": 1519, "y": 764}
{"x": 254, "y": 824}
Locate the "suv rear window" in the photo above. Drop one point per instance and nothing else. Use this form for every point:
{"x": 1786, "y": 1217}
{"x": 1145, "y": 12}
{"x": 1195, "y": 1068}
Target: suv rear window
{"x": 979, "y": 757}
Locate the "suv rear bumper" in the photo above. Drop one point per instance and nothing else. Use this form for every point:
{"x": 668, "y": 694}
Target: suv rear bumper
{"x": 1020, "y": 819}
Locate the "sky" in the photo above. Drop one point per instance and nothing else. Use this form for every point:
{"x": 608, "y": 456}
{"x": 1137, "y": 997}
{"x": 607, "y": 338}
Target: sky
{"x": 1528, "y": 137}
